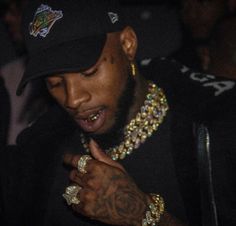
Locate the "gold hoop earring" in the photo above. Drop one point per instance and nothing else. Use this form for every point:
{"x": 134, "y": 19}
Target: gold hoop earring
{"x": 133, "y": 69}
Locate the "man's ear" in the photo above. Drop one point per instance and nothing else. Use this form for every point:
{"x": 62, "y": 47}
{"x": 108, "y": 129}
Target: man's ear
{"x": 129, "y": 42}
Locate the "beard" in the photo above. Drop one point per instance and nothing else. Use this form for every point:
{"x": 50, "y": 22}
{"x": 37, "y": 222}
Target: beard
{"x": 115, "y": 134}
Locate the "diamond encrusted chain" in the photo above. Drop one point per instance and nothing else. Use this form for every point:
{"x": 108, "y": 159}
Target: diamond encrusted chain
{"x": 142, "y": 126}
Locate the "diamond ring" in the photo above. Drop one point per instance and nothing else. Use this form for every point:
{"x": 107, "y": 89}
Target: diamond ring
{"x": 82, "y": 163}
{"x": 71, "y": 194}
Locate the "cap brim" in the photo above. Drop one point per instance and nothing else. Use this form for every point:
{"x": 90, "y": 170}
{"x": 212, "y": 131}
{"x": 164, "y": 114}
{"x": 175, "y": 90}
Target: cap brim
{"x": 72, "y": 56}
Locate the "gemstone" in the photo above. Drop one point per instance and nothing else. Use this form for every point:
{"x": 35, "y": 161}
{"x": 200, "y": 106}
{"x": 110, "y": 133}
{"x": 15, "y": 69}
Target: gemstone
{"x": 127, "y": 143}
{"x": 143, "y": 138}
{"x": 137, "y": 143}
{"x": 122, "y": 155}
{"x": 121, "y": 147}
{"x": 114, "y": 156}
{"x": 134, "y": 136}
{"x": 149, "y": 217}
{"x": 143, "y": 109}
{"x": 144, "y": 223}
{"x": 144, "y": 115}
{"x": 129, "y": 151}
{"x": 149, "y": 96}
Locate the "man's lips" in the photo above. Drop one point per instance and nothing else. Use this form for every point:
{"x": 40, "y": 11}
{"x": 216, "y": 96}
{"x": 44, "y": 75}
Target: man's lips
{"x": 87, "y": 113}
{"x": 91, "y": 120}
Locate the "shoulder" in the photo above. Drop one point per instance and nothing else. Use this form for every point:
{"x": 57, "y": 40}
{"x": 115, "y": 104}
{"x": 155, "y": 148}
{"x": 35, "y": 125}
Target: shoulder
{"x": 167, "y": 71}
{"x": 193, "y": 90}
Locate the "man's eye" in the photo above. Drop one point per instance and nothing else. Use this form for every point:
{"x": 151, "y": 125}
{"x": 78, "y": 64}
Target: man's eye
{"x": 89, "y": 73}
{"x": 55, "y": 84}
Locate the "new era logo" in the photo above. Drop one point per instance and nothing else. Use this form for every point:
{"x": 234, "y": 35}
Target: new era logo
{"x": 113, "y": 17}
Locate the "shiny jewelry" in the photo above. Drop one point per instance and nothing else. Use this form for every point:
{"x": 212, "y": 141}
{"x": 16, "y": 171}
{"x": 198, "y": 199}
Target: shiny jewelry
{"x": 142, "y": 126}
{"x": 71, "y": 194}
{"x": 93, "y": 117}
{"x": 133, "y": 69}
{"x": 155, "y": 210}
{"x": 81, "y": 165}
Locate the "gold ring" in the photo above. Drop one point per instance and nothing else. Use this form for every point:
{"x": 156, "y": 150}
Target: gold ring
{"x": 71, "y": 194}
{"x": 82, "y": 163}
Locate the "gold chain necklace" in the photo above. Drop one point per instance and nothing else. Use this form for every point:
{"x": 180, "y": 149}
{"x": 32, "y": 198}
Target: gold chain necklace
{"x": 142, "y": 126}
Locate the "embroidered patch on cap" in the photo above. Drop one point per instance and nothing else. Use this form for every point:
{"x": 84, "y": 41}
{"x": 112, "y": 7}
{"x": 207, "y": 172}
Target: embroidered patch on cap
{"x": 44, "y": 18}
{"x": 113, "y": 17}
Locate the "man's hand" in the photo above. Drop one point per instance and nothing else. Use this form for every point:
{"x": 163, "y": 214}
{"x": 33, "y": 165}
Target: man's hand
{"x": 108, "y": 194}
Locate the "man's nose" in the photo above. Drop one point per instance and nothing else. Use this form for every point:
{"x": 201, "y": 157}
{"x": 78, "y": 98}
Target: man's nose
{"x": 76, "y": 95}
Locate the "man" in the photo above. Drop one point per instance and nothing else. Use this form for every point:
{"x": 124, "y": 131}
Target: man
{"x": 199, "y": 17}
{"x": 140, "y": 166}
{"x": 220, "y": 57}
{"x": 12, "y": 18}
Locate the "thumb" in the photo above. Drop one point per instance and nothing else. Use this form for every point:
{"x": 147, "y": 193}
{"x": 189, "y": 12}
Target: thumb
{"x": 101, "y": 156}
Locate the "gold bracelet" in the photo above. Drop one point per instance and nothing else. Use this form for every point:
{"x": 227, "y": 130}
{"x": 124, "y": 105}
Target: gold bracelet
{"x": 154, "y": 212}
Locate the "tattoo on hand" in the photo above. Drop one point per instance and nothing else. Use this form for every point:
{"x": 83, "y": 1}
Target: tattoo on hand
{"x": 120, "y": 200}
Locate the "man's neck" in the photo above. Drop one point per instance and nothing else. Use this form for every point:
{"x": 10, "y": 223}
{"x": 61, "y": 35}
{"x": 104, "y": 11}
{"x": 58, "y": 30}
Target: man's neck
{"x": 141, "y": 91}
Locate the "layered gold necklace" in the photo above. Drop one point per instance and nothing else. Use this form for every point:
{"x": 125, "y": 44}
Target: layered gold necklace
{"x": 147, "y": 121}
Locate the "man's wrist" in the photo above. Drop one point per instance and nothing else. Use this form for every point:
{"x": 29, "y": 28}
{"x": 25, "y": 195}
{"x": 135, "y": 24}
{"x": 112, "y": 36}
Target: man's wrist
{"x": 155, "y": 209}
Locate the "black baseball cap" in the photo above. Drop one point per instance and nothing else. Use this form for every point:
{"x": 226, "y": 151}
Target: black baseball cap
{"x": 66, "y": 35}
